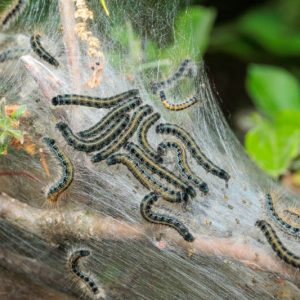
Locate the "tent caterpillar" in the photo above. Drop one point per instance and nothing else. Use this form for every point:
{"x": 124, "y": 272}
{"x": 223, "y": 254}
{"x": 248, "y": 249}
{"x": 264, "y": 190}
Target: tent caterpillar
{"x": 98, "y": 142}
{"x": 161, "y": 171}
{"x": 186, "y": 68}
{"x": 194, "y": 149}
{"x": 182, "y": 164}
{"x": 133, "y": 124}
{"x": 145, "y": 179}
{"x": 273, "y": 214}
{"x": 68, "y": 171}
{"x": 73, "y": 266}
{"x": 72, "y": 99}
{"x": 35, "y": 42}
{"x": 13, "y": 11}
{"x": 277, "y": 245}
{"x": 142, "y": 136}
{"x": 147, "y": 214}
{"x": 177, "y": 106}
{"x": 111, "y": 116}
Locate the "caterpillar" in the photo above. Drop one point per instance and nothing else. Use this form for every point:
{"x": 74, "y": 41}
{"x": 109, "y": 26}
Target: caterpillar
{"x": 177, "y": 106}
{"x": 145, "y": 179}
{"x": 71, "y": 99}
{"x": 186, "y": 68}
{"x": 111, "y": 116}
{"x": 137, "y": 117}
{"x": 142, "y": 137}
{"x": 35, "y": 42}
{"x": 67, "y": 175}
{"x": 14, "y": 10}
{"x": 73, "y": 266}
{"x": 161, "y": 171}
{"x": 147, "y": 214}
{"x": 182, "y": 164}
{"x": 11, "y": 54}
{"x": 281, "y": 251}
{"x": 194, "y": 149}
{"x": 273, "y": 214}
{"x": 95, "y": 144}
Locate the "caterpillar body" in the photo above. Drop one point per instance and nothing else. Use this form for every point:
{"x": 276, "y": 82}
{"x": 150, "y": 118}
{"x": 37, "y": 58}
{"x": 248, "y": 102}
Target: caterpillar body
{"x": 177, "y": 106}
{"x": 142, "y": 137}
{"x": 161, "y": 171}
{"x": 35, "y": 42}
{"x": 136, "y": 119}
{"x": 182, "y": 164}
{"x": 67, "y": 175}
{"x": 194, "y": 149}
{"x": 12, "y": 54}
{"x": 111, "y": 116}
{"x": 186, "y": 68}
{"x": 146, "y": 179}
{"x": 147, "y": 214}
{"x": 73, "y": 265}
{"x": 277, "y": 245}
{"x": 95, "y": 144}
{"x": 278, "y": 220}
{"x": 72, "y": 99}
{"x": 14, "y": 10}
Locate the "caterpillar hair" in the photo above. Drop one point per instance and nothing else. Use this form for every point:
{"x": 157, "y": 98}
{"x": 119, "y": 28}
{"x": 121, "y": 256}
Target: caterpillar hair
{"x": 12, "y": 54}
{"x": 67, "y": 175}
{"x": 71, "y": 99}
{"x": 95, "y": 144}
{"x": 146, "y": 179}
{"x": 35, "y": 42}
{"x": 156, "y": 218}
{"x": 278, "y": 220}
{"x": 177, "y": 106}
{"x": 111, "y": 116}
{"x": 182, "y": 164}
{"x": 12, "y": 13}
{"x": 161, "y": 171}
{"x": 136, "y": 119}
{"x": 194, "y": 149}
{"x": 281, "y": 251}
{"x": 73, "y": 266}
{"x": 186, "y": 68}
{"x": 142, "y": 137}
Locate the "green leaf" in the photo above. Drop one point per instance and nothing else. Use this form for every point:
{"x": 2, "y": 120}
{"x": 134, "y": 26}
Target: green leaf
{"x": 269, "y": 29}
{"x": 3, "y": 148}
{"x": 273, "y": 89}
{"x": 18, "y": 112}
{"x": 273, "y": 147}
{"x": 192, "y": 31}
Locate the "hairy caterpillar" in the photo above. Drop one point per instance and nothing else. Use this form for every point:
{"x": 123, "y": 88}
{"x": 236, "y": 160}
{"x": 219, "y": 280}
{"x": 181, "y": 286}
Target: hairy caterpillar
{"x": 11, "y": 54}
{"x": 177, "y": 106}
{"x": 186, "y": 68}
{"x": 277, "y": 245}
{"x": 35, "y": 42}
{"x": 13, "y": 11}
{"x": 142, "y": 136}
{"x": 156, "y": 218}
{"x": 68, "y": 171}
{"x": 273, "y": 214}
{"x": 73, "y": 266}
{"x": 137, "y": 117}
{"x": 145, "y": 179}
{"x": 196, "y": 152}
{"x": 111, "y": 116}
{"x": 95, "y": 144}
{"x": 182, "y": 164}
{"x": 161, "y": 171}
{"x": 71, "y": 99}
